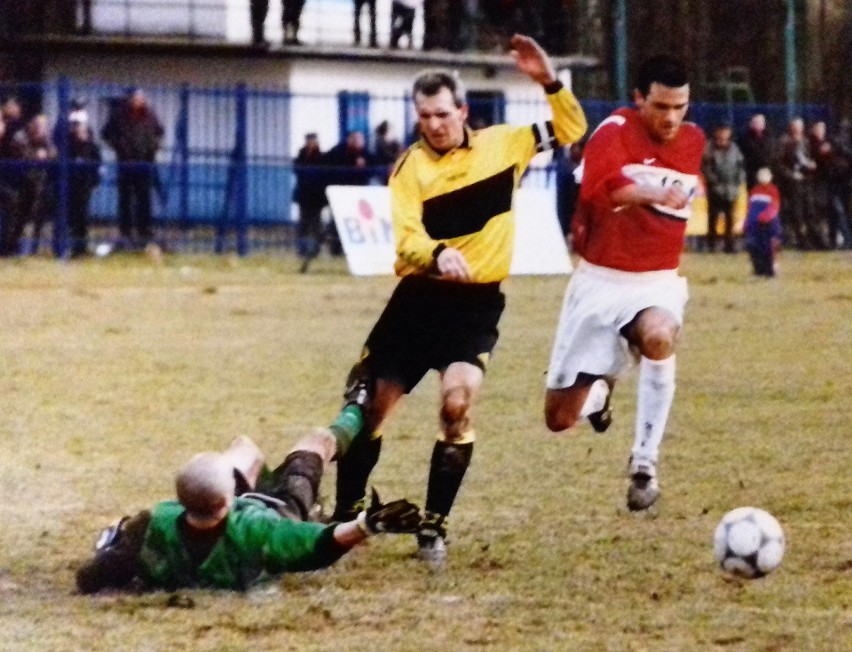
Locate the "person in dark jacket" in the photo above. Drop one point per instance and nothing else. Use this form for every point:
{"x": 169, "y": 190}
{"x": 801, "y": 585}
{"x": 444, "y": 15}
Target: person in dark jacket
{"x": 134, "y": 132}
{"x": 724, "y": 172}
{"x": 756, "y": 145}
{"x": 38, "y": 165}
{"x": 348, "y": 164}
{"x": 796, "y": 170}
{"x": 10, "y": 185}
{"x": 84, "y": 175}
{"x": 832, "y": 183}
{"x": 309, "y": 194}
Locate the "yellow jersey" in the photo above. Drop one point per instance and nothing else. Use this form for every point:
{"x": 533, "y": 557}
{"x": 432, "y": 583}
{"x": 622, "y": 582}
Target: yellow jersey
{"x": 463, "y": 198}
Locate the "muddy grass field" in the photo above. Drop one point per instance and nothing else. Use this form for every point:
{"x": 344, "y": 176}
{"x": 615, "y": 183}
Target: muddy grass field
{"x": 116, "y": 371}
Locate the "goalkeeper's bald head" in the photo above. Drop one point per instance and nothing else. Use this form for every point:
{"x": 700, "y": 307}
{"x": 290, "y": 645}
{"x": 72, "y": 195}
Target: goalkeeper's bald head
{"x": 205, "y": 487}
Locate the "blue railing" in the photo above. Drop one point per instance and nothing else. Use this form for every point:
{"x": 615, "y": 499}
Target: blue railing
{"x": 224, "y": 176}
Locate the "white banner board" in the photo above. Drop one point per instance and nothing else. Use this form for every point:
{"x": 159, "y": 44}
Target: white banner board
{"x": 362, "y": 217}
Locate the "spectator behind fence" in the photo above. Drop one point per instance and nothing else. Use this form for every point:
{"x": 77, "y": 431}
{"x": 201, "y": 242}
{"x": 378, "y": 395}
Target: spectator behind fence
{"x": 762, "y": 230}
{"x": 9, "y": 192}
{"x": 756, "y": 146}
{"x": 386, "y": 149}
{"x": 724, "y": 172}
{"x": 84, "y": 156}
{"x": 796, "y": 169}
{"x": 37, "y": 198}
{"x": 13, "y": 117}
{"x": 309, "y": 194}
{"x": 77, "y": 113}
{"x": 566, "y": 161}
{"x": 833, "y": 175}
{"x": 402, "y": 21}
{"x": 371, "y": 11}
{"x": 134, "y": 132}
{"x": 348, "y": 164}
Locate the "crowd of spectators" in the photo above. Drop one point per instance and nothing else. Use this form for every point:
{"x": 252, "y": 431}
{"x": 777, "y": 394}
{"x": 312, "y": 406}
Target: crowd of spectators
{"x": 813, "y": 172}
{"x": 811, "y": 167}
{"x": 33, "y": 186}
{"x": 348, "y": 163}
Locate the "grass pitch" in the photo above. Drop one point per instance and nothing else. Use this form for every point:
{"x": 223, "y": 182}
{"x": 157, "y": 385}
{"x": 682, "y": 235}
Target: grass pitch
{"x": 115, "y": 371}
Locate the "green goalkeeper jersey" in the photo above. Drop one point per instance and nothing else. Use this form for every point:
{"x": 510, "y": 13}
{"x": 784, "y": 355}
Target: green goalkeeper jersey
{"x": 256, "y": 543}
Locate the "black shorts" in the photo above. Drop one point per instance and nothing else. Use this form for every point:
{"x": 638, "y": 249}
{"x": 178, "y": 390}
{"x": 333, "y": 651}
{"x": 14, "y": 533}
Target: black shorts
{"x": 429, "y": 324}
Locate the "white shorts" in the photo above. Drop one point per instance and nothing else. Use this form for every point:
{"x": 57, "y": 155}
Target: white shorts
{"x": 599, "y": 302}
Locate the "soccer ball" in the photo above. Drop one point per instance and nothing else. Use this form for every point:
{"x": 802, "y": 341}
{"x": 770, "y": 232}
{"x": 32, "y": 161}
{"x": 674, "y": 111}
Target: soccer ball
{"x": 748, "y": 542}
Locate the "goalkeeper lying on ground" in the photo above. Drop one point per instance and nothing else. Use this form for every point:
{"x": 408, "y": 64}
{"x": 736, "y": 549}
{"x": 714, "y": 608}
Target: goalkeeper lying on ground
{"x": 221, "y": 534}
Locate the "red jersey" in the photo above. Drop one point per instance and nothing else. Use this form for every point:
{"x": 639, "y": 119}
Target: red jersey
{"x": 639, "y": 238}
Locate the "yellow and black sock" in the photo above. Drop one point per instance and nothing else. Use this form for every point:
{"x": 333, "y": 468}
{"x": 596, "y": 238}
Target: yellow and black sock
{"x": 446, "y": 472}
{"x": 353, "y": 472}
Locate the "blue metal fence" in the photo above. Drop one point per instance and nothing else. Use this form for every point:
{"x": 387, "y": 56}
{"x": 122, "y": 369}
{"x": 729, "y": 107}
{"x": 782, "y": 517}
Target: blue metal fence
{"x": 224, "y": 170}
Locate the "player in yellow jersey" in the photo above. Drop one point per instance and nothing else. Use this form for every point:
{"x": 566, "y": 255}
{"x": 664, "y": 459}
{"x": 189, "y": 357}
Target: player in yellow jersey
{"x": 451, "y": 204}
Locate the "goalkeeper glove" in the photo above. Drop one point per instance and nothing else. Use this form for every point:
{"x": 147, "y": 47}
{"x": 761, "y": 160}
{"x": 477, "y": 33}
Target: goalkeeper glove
{"x": 397, "y": 517}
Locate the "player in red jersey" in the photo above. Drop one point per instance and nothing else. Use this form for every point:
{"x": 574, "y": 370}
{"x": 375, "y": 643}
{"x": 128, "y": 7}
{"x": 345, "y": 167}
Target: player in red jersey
{"x": 640, "y": 173}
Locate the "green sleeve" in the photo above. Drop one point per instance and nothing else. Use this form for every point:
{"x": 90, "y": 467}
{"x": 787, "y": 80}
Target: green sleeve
{"x": 298, "y": 546}
{"x": 286, "y": 545}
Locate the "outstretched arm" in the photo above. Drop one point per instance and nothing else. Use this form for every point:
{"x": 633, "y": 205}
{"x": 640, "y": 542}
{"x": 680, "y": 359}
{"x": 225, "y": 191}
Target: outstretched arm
{"x": 532, "y": 60}
{"x": 569, "y": 122}
{"x": 396, "y": 517}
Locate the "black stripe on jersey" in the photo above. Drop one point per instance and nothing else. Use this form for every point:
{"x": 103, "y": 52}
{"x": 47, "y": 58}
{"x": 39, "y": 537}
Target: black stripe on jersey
{"x": 551, "y": 132}
{"x": 536, "y": 136}
{"x": 544, "y": 142}
{"x": 467, "y": 210}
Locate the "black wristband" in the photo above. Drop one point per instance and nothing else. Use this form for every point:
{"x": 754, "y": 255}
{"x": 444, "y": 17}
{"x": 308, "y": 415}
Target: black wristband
{"x": 437, "y": 250}
{"x": 553, "y": 87}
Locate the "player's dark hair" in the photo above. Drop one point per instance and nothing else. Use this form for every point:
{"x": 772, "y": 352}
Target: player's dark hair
{"x": 661, "y": 69}
{"x": 430, "y": 82}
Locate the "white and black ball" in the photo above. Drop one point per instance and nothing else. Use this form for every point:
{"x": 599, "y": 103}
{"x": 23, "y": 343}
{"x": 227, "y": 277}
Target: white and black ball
{"x": 748, "y": 542}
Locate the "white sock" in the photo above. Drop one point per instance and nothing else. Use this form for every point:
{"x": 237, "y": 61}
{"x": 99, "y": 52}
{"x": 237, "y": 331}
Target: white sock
{"x": 596, "y": 398}
{"x": 656, "y": 392}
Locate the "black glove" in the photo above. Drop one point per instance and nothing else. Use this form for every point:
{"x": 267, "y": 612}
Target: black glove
{"x": 398, "y": 516}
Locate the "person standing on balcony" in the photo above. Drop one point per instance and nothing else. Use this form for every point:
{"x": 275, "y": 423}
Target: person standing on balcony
{"x": 291, "y": 13}
{"x": 258, "y": 10}
{"x": 371, "y": 8}
{"x": 402, "y": 21}
{"x": 134, "y": 132}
